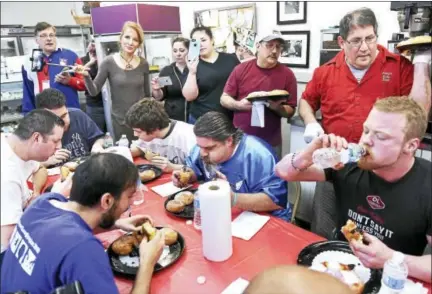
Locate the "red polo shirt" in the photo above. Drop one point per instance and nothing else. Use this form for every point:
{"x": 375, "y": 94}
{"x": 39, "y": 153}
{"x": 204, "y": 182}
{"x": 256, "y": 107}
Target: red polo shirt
{"x": 248, "y": 77}
{"x": 345, "y": 103}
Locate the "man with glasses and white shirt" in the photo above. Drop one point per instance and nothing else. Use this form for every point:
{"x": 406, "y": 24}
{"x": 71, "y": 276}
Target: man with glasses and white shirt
{"x": 51, "y": 76}
{"x": 346, "y": 87}
{"x": 264, "y": 73}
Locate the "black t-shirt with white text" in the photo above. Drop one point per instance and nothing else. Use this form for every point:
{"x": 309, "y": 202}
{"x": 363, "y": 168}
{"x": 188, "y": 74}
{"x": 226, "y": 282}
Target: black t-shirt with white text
{"x": 211, "y": 79}
{"x": 398, "y": 213}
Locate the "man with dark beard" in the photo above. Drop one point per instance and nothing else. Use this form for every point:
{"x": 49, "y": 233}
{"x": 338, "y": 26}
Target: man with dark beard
{"x": 388, "y": 192}
{"x": 245, "y": 161}
{"x": 53, "y": 244}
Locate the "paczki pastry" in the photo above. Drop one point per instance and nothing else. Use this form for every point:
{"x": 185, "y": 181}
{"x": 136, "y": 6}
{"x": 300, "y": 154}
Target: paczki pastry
{"x": 147, "y": 175}
{"x": 264, "y": 93}
{"x": 351, "y": 232}
{"x": 71, "y": 165}
{"x": 184, "y": 176}
{"x": 64, "y": 172}
{"x": 175, "y": 206}
{"x": 185, "y": 197}
{"x": 149, "y": 155}
{"x": 171, "y": 236}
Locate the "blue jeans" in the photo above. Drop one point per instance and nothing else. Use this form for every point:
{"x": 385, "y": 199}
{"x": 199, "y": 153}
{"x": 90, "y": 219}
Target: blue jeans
{"x": 97, "y": 114}
{"x": 191, "y": 120}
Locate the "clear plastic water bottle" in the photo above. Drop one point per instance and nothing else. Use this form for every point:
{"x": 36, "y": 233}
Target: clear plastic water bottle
{"x": 395, "y": 274}
{"x": 108, "y": 141}
{"x": 197, "y": 212}
{"x": 123, "y": 141}
{"x": 329, "y": 157}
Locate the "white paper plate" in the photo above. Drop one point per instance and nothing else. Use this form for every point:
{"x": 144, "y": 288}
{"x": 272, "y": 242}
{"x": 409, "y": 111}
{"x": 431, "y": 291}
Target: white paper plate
{"x": 335, "y": 257}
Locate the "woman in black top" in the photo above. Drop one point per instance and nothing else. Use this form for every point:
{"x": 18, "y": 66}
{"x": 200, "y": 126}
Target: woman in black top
{"x": 175, "y": 103}
{"x": 207, "y": 76}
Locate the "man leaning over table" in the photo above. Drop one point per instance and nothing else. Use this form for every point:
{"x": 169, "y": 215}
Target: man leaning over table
{"x": 172, "y": 140}
{"x": 245, "y": 161}
{"x": 388, "y": 192}
{"x": 81, "y": 134}
{"x": 36, "y": 138}
{"x": 346, "y": 87}
{"x": 264, "y": 73}
{"x": 58, "y": 233}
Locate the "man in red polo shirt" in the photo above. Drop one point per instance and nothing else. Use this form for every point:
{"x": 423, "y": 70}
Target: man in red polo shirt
{"x": 346, "y": 87}
{"x": 264, "y": 73}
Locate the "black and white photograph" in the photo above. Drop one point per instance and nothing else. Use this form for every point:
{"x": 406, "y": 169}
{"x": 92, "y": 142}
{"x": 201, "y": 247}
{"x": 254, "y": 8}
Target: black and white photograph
{"x": 295, "y": 52}
{"x": 291, "y": 12}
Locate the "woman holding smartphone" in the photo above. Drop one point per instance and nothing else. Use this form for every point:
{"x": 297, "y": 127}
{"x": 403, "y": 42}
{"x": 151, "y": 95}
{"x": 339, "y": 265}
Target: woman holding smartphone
{"x": 207, "y": 76}
{"x": 175, "y": 105}
{"x": 127, "y": 75}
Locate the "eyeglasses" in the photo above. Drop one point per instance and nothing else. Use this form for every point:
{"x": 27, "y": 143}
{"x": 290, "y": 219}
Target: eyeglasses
{"x": 356, "y": 43}
{"x": 44, "y": 36}
{"x": 271, "y": 46}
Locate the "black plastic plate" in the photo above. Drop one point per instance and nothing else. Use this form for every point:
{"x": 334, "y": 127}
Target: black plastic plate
{"x": 118, "y": 267}
{"x": 308, "y": 254}
{"x": 188, "y": 212}
{"x": 143, "y": 167}
{"x": 266, "y": 98}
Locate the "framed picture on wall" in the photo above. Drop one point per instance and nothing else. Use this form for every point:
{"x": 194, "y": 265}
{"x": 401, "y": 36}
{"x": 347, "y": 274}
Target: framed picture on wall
{"x": 291, "y": 12}
{"x": 296, "y": 49}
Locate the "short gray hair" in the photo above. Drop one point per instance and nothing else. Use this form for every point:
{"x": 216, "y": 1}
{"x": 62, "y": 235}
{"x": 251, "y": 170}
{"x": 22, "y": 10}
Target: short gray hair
{"x": 360, "y": 17}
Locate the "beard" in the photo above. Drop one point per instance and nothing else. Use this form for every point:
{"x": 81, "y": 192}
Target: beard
{"x": 368, "y": 162}
{"x": 109, "y": 218}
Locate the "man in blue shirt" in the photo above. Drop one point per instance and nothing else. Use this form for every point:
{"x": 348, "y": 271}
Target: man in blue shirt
{"x": 51, "y": 76}
{"x": 245, "y": 161}
{"x": 53, "y": 244}
{"x": 81, "y": 135}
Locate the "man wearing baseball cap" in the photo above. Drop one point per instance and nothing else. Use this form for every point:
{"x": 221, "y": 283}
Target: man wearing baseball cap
{"x": 264, "y": 73}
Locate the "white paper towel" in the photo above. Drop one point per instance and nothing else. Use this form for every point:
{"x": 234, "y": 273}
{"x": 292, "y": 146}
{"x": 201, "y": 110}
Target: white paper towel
{"x": 257, "y": 118}
{"x": 215, "y": 206}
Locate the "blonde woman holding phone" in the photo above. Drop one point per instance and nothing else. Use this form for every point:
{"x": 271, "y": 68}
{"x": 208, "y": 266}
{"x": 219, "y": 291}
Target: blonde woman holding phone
{"x": 127, "y": 75}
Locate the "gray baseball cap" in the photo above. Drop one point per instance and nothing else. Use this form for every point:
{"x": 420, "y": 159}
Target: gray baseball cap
{"x": 269, "y": 36}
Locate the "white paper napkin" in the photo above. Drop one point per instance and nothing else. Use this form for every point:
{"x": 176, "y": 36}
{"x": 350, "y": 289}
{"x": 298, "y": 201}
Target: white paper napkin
{"x": 236, "y": 287}
{"x": 257, "y": 118}
{"x": 54, "y": 171}
{"x": 247, "y": 224}
{"x": 412, "y": 287}
{"x": 168, "y": 189}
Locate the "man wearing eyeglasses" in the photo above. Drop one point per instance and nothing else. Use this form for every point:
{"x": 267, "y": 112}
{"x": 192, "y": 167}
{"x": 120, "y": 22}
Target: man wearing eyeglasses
{"x": 346, "y": 87}
{"x": 51, "y": 76}
{"x": 264, "y": 73}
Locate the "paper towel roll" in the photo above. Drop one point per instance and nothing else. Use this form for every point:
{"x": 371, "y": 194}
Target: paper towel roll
{"x": 215, "y": 206}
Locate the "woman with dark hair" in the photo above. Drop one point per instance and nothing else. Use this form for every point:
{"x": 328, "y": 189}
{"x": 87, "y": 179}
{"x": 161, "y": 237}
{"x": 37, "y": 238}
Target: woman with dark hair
{"x": 207, "y": 76}
{"x": 175, "y": 105}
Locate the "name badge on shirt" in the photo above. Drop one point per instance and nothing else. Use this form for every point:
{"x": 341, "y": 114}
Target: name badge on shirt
{"x": 45, "y": 84}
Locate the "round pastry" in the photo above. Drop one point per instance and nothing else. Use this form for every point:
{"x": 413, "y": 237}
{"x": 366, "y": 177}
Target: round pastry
{"x": 171, "y": 236}
{"x": 150, "y": 154}
{"x": 278, "y": 93}
{"x": 257, "y": 94}
{"x": 185, "y": 176}
{"x": 175, "y": 206}
{"x": 124, "y": 245}
{"x": 147, "y": 175}
{"x": 71, "y": 165}
{"x": 185, "y": 197}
